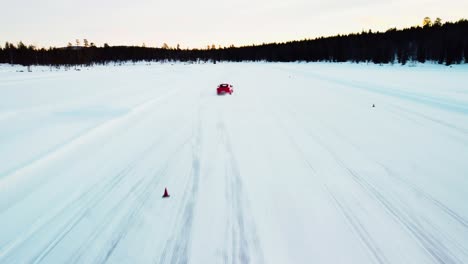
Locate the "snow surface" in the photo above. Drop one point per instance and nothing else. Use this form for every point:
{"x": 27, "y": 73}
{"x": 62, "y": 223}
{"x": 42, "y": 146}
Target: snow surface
{"x": 295, "y": 167}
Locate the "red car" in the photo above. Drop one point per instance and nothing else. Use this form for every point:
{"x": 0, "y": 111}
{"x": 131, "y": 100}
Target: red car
{"x": 224, "y": 88}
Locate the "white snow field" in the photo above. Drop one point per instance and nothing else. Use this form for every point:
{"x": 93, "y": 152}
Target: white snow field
{"x": 295, "y": 167}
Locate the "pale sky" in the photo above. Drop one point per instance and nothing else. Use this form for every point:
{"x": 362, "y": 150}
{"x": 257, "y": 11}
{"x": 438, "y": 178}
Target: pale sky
{"x": 197, "y": 23}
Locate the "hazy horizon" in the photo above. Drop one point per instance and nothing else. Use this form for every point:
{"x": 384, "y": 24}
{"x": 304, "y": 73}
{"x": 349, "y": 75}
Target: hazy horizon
{"x": 207, "y": 22}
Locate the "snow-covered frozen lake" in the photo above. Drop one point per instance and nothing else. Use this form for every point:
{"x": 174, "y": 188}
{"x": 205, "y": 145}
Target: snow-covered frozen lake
{"x": 295, "y": 167}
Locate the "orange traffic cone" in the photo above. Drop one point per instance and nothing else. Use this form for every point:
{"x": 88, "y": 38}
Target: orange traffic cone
{"x": 165, "y": 195}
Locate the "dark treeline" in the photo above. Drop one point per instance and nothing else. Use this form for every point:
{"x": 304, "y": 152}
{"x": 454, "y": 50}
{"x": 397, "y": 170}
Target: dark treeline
{"x": 443, "y": 43}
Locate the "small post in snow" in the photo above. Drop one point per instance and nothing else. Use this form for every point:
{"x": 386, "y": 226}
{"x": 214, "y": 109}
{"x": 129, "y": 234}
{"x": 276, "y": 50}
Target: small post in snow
{"x": 165, "y": 195}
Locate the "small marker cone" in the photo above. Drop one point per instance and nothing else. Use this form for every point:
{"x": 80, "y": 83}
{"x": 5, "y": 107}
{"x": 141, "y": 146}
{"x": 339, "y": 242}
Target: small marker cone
{"x": 373, "y": 105}
{"x": 165, "y": 195}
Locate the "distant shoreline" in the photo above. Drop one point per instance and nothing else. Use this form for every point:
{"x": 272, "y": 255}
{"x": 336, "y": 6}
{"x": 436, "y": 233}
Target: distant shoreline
{"x": 440, "y": 43}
